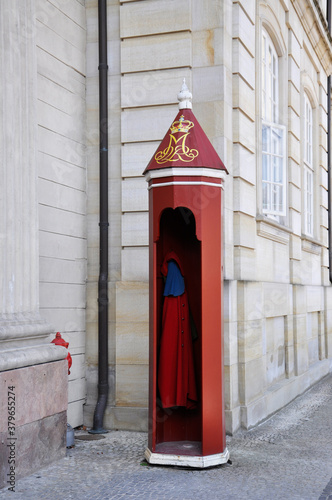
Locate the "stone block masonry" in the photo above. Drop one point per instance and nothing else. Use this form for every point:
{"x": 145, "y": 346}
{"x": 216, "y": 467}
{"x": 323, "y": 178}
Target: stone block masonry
{"x": 33, "y": 419}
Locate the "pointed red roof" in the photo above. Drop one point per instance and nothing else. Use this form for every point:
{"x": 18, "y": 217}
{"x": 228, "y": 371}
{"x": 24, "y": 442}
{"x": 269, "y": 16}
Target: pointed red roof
{"x": 185, "y": 145}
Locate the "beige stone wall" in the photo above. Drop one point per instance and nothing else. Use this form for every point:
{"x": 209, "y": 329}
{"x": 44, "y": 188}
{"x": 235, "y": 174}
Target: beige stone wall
{"x": 33, "y": 372}
{"x": 61, "y": 160}
{"x": 162, "y": 42}
{"x": 278, "y": 330}
{"x": 278, "y": 333}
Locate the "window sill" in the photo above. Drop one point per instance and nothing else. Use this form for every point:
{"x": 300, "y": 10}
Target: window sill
{"x": 311, "y": 245}
{"x": 272, "y": 230}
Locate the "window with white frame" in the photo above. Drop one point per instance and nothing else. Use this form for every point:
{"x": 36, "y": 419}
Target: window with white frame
{"x": 273, "y": 135}
{"x": 308, "y": 168}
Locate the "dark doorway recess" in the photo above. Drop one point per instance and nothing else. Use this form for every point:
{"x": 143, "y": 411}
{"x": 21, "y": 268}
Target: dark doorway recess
{"x": 179, "y": 429}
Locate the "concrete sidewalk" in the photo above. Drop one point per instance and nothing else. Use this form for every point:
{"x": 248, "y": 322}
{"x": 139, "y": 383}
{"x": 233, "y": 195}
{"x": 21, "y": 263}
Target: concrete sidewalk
{"x": 287, "y": 457}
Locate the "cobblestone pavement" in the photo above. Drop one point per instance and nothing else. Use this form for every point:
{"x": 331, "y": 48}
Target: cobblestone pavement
{"x": 287, "y": 457}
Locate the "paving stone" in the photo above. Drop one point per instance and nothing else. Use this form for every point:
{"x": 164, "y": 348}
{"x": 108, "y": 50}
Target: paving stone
{"x": 287, "y": 457}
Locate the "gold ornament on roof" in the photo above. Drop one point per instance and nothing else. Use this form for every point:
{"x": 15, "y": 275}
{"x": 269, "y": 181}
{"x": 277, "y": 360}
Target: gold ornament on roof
{"x": 177, "y": 150}
{"x": 181, "y": 125}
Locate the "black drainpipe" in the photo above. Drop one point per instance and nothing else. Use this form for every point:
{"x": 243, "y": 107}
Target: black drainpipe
{"x": 328, "y": 15}
{"x": 103, "y": 226}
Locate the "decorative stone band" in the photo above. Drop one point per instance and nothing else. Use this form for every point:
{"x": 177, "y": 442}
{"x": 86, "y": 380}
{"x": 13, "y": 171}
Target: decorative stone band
{"x": 185, "y": 183}
{"x": 11, "y": 359}
{"x": 187, "y": 460}
{"x": 185, "y": 172}
{"x": 23, "y": 326}
{"x": 185, "y": 177}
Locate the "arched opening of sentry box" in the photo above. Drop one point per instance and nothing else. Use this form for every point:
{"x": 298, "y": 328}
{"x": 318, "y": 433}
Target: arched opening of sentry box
{"x": 179, "y": 338}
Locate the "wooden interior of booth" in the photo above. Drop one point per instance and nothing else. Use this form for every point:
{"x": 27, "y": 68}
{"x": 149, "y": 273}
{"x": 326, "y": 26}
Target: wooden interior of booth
{"x": 179, "y": 430}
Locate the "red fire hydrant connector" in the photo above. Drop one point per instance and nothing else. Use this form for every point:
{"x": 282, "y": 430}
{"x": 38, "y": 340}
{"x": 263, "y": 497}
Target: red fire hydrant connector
{"x": 58, "y": 340}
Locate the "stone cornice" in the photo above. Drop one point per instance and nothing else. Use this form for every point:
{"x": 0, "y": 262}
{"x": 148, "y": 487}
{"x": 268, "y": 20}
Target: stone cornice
{"x": 12, "y": 359}
{"x": 315, "y": 26}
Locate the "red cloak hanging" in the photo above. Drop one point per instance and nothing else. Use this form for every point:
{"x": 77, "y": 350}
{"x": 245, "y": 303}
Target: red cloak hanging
{"x": 176, "y": 375}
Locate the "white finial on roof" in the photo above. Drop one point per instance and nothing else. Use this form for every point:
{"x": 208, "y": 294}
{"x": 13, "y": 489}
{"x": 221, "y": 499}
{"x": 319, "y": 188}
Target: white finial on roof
{"x": 184, "y": 97}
